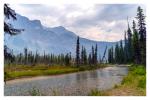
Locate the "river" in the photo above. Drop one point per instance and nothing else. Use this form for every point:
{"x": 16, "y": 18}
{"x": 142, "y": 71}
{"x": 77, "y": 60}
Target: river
{"x": 76, "y": 84}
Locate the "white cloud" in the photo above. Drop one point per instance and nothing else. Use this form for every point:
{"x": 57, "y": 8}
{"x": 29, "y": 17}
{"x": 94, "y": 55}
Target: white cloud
{"x": 95, "y": 22}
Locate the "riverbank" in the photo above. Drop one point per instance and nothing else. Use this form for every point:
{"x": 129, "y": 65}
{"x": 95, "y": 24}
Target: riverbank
{"x": 73, "y": 84}
{"x": 134, "y": 84}
{"x": 23, "y": 71}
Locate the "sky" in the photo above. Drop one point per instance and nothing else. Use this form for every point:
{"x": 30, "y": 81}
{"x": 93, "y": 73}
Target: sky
{"x": 100, "y": 22}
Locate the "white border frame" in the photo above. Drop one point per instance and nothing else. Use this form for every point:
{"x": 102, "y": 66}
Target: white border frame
{"x": 145, "y": 2}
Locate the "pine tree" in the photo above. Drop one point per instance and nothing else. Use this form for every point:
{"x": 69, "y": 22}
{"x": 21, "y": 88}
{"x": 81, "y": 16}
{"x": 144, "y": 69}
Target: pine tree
{"x": 90, "y": 59}
{"x": 82, "y": 56}
{"x": 121, "y": 52}
{"x": 25, "y": 55}
{"x": 129, "y": 46}
{"x": 136, "y": 46}
{"x": 95, "y": 59}
{"x": 141, "y": 24}
{"x": 78, "y": 52}
{"x": 117, "y": 54}
{"x": 142, "y": 32}
{"x": 109, "y": 55}
{"x": 8, "y": 28}
{"x": 67, "y": 60}
{"x": 93, "y": 55}
{"x": 85, "y": 56}
{"x": 112, "y": 55}
{"x": 125, "y": 48}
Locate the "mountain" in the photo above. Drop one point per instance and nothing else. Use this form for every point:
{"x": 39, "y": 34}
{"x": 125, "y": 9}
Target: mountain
{"x": 49, "y": 39}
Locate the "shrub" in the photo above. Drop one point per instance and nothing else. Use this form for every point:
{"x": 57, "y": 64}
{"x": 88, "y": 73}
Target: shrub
{"x": 142, "y": 82}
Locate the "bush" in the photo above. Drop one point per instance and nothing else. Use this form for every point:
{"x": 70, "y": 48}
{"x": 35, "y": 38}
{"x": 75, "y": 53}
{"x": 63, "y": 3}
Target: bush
{"x": 139, "y": 71}
{"x": 142, "y": 82}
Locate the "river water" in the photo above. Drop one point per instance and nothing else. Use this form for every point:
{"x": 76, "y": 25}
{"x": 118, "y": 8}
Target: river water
{"x": 79, "y": 83}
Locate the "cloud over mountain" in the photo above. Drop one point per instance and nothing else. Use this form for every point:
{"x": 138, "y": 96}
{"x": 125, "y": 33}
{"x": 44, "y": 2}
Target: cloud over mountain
{"x": 99, "y": 22}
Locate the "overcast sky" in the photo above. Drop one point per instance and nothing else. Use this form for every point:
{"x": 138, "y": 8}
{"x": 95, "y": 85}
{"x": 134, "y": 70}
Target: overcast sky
{"x": 95, "y": 21}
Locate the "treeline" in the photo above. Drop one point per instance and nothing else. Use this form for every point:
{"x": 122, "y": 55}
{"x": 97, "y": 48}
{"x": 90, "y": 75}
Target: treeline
{"x": 133, "y": 48}
{"x": 33, "y": 58}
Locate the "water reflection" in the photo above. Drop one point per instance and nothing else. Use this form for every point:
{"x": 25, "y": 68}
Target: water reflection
{"x": 93, "y": 74}
{"x": 70, "y": 84}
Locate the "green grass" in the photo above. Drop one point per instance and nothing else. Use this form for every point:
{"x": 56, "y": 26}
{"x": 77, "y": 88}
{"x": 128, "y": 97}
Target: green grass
{"x": 137, "y": 74}
{"x": 133, "y": 84}
{"x": 31, "y": 72}
{"x": 18, "y": 71}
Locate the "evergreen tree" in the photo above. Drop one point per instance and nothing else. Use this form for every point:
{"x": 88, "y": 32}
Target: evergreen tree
{"x": 93, "y": 55}
{"x": 125, "y": 48}
{"x": 78, "y": 52}
{"x": 112, "y": 55}
{"x": 95, "y": 59}
{"x": 85, "y": 56}
{"x": 25, "y": 55}
{"x": 109, "y": 55}
{"x": 82, "y": 56}
{"x": 142, "y": 32}
{"x": 117, "y": 54}
{"x": 129, "y": 46}
{"x": 121, "y": 52}
{"x": 67, "y": 60}
{"x": 90, "y": 59}
{"x": 141, "y": 24}
{"x": 8, "y": 28}
{"x": 136, "y": 46}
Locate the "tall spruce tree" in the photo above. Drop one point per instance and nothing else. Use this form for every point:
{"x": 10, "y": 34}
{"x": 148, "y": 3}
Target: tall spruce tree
{"x": 93, "y": 55}
{"x": 85, "y": 56}
{"x": 25, "y": 55}
{"x": 95, "y": 59}
{"x": 112, "y": 55}
{"x": 109, "y": 55}
{"x": 121, "y": 52}
{"x": 142, "y": 32}
{"x": 82, "y": 55}
{"x": 78, "y": 52}
{"x": 117, "y": 54}
{"x": 90, "y": 59}
{"x": 136, "y": 45}
{"x": 129, "y": 47}
{"x": 125, "y": 48}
